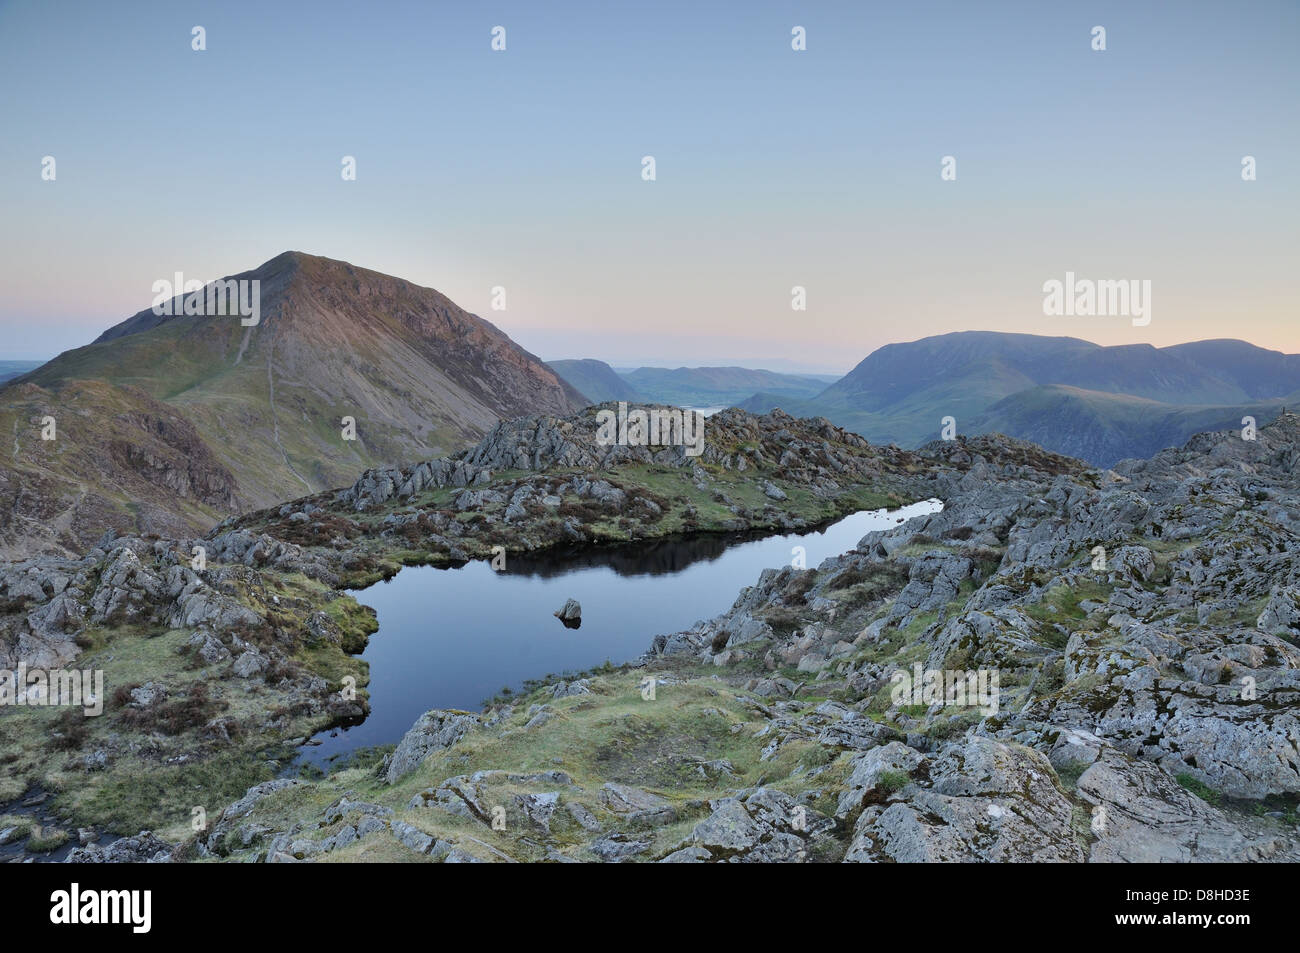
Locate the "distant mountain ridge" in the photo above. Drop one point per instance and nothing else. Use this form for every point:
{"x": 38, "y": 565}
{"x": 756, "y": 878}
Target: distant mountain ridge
{"x": 716, "y": 386}
{"x": 684, "y": 386}
{"x": 11, "y": 369}
{"x": 417, "y": 375}
{"x": 1071, "y": 396}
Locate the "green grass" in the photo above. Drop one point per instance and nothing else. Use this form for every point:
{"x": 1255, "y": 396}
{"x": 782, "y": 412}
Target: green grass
{"x": 1200, "y": 789}
{"x": 21, "y": 823}
{"x": 891, "y": 782}
{"x": 44, "y": 840}
{"x": 162, "y": 797}
{"x": 153, "y": 779}
{"x": 1060, "y": 603}
{"x": 610, "y": 735}
{"x": 357, "y": 622}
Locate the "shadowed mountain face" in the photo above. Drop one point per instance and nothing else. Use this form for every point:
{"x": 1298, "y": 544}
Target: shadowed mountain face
{"x": 1098, "y": 403}
{"x": 1258, "y": 372}
{"x": 595, "y": 379}
{"x": 266, "y": 404}
{"x": 1106, "y": 428}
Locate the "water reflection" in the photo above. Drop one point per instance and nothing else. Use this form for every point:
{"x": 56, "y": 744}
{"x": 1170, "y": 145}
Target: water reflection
{"x": 451, "y": 638}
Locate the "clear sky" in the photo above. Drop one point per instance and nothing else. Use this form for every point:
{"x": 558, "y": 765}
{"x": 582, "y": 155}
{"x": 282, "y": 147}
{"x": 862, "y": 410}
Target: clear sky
{"x": 775, "y": 168}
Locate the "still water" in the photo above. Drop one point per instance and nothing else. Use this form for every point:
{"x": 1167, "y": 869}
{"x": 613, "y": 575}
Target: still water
{"x": 452, "y": 638}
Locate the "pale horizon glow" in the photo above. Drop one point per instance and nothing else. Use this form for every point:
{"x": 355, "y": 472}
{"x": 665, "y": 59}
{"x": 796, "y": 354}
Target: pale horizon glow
{"x": 775, "y": 168}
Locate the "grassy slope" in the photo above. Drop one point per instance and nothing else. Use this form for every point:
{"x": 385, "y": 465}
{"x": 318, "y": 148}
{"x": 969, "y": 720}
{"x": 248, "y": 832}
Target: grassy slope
{"x": 917, "y": 416}
{"x": 191, "y": 364}
{"x": 66, "y": 484}
{"x": 1115, "y": 425}
{"x": 1019, "y": 385}
{"x": 611, "y": 735}
{"x": 154, "y": 778}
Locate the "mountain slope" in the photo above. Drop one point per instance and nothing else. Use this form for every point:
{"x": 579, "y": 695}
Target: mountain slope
{"x": 119, "y": 461}
{"x": 417, "y": 374}
{"x": 893, "y": 373}
{"x": 1106, "y": 428}
{"x": 595, "y": 379}
{"x": 1258, "y": 372}
{"x": 904, "y": 414}
{"x": 1060, "y": 392}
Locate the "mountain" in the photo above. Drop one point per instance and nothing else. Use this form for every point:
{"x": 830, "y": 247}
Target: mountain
{"x": 1138, "y": 369}
{"x": 717, "y": 386}
{"x": 260, "y": 410}
{"x": 596, "y": 379}
{"x": 1258, "y": 372}
{"x": 1093, "y": 425}
{"x": 1098, "y": 403}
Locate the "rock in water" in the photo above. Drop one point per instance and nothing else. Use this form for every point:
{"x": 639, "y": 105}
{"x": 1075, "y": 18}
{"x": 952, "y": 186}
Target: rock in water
{"x": 571, "y": 614}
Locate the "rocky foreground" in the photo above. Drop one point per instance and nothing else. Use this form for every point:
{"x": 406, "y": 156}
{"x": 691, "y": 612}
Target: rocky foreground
{"x": 1141, "y": 622}
{"x": 221, "y": 654}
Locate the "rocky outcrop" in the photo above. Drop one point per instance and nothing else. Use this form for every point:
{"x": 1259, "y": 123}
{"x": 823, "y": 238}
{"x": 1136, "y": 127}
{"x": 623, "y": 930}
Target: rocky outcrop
{"x": 1150, "y": 608}
{"x": 144, "y": 848}
{"x": 811, "y": 452}
{"x": 1141, "y": 815}
{"x": 52, "y": 600}
{"x": 434, "y": 731}
{"x": 981, "y": 801}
